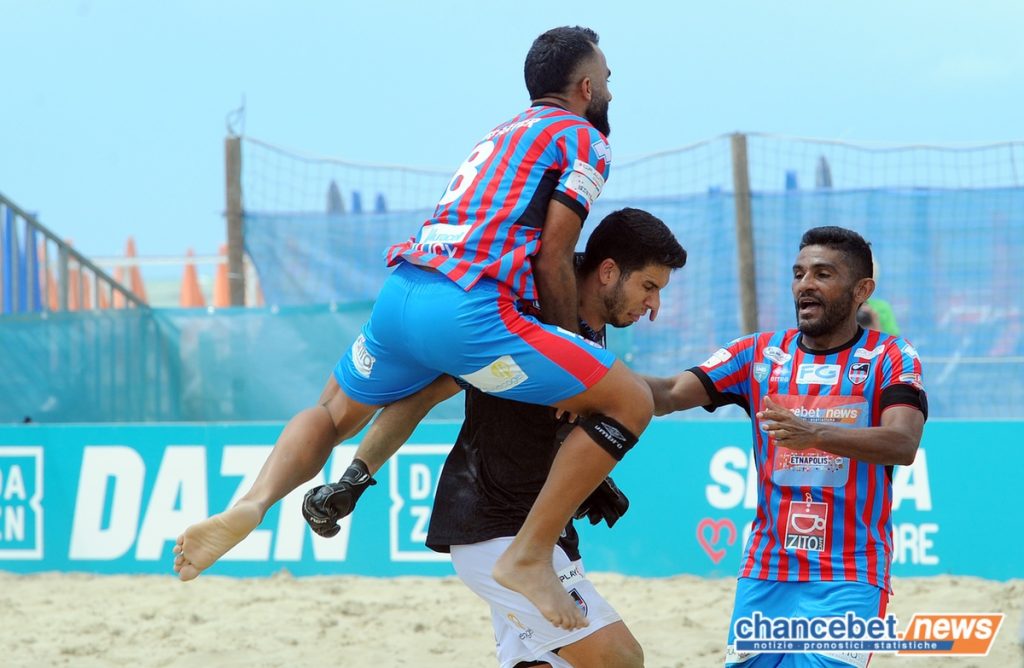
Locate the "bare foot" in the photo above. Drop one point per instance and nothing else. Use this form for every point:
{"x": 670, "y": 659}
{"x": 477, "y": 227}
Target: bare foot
{"x": 205, "y": 542}
{"x": 536, "y": 580}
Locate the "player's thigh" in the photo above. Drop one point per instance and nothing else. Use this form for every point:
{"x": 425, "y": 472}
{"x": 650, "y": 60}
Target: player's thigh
{"x": 620, "y": 392}
{"x": 613, "y": 646}
{"x": 491, "y": 345}
{"x": 348, "y": 414}
{"x": 513, "y": 613}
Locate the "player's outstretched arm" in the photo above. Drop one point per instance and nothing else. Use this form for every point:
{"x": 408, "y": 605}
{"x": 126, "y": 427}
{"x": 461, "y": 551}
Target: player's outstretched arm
{"x": 553, "y": 269}
{"x": 677, "y": 393}
{"x": 893, "y": 443}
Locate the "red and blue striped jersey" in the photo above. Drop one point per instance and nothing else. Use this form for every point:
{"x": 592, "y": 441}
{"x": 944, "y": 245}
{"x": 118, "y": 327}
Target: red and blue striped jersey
{"x": 819, "y": 516}
{"x": 489, "y": 219}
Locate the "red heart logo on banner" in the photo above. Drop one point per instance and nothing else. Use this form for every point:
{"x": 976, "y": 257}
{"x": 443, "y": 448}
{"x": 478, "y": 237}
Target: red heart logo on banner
{"x": 710, "y": 543}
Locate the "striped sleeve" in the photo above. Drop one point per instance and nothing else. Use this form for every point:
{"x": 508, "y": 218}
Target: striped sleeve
{"x": 585, "y": 161}
{"x": 901, "y": 382}
{"x": 726, "y": 374}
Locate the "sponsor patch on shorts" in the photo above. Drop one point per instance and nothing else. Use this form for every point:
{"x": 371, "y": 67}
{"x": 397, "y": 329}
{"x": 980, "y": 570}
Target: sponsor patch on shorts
{"x": 578, "y": 600}
{"x": 571, "y": 576}
{"x": 500, "y": 375}
{"x": 362, "y": 360}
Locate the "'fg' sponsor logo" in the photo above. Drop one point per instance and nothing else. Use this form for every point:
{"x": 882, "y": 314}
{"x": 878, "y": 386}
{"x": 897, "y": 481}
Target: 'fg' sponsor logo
{"x": 21, "y": 494}
{"x": 818, "y": 374}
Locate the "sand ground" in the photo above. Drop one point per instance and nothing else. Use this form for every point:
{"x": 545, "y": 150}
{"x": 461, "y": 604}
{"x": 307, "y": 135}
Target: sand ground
{"x": 86, "y": 620}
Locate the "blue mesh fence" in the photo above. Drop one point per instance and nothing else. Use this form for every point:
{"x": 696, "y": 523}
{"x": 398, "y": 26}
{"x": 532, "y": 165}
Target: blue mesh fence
{"x": 946, "y": 225}
{"x": 188, "y": 365}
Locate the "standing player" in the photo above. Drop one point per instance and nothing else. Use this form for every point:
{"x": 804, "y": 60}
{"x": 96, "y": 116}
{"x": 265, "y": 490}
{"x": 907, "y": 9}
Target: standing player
{"x": 501, "y": 458}
{"x": 505, "y": 229}
{"x": 834, "y": 407}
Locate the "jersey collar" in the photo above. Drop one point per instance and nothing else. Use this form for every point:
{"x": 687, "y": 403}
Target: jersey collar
{"x": 588, "y": 332}
{"x": 831, "y": 351}
{"x": 549, "y": 104}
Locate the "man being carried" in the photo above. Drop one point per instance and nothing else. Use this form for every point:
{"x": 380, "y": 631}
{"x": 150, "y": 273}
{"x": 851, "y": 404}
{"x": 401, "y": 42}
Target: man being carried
{"x": 504, "y": 230}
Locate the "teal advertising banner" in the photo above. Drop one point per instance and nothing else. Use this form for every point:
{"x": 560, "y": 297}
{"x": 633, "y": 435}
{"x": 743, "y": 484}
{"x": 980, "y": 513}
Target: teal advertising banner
{"x": 113, "y": 498}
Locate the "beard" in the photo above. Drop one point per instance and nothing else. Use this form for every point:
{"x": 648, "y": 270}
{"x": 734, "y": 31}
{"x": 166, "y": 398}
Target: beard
{"x": 614, "y": 305}
{"x": 597, "y": 114}
{"x": 833, "y": 315}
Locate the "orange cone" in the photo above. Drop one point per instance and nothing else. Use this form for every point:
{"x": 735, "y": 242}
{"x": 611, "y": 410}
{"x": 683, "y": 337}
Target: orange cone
{"x": 221, "y": 289}
{"x": 118, "y": 295}
{"x": 50, "y": 299}
{"x": 86, "y": 290}
{"x": 191, "y": 295}
{"x": 102, "y": 301}
{"x": 74, "y": 281}
{"x": 137, "y": 285}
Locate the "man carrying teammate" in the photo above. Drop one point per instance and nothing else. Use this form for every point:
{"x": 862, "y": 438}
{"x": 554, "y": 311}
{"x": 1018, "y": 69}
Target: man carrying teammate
{"x": 504, "y": 230}
{"x": 834, "y": 407}
{"x": 501, "y": 458}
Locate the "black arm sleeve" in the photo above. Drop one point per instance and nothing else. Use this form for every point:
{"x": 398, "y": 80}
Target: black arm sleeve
{"x": 578, "y": 208}
{"x": 904, "y": 395}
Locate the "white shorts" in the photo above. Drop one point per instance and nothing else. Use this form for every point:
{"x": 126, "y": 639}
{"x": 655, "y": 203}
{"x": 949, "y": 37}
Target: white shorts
{"x": 520, "y": 631}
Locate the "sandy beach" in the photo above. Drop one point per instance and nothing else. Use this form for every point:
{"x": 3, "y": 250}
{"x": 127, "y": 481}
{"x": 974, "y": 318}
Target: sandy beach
{"x": 86, "y": 620}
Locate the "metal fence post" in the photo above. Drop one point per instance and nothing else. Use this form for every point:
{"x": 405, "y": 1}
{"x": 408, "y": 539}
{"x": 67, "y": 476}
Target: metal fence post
{"x": 744, "y": 234}
{"x": 236, "y": 235}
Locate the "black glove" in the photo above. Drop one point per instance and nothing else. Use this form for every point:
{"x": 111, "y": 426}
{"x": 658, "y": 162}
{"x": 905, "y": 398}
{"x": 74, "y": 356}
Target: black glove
{"x": 323, "y": 506}
{"x": 606, "y": 503}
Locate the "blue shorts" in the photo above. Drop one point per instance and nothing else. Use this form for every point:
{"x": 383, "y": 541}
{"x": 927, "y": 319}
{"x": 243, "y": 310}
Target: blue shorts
{"x": 423, "y": 324}
{"x": 802, "y": 599}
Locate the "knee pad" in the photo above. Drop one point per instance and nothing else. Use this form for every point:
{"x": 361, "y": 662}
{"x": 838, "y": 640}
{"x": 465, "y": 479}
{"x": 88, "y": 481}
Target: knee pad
{"x": 609, "y": 434}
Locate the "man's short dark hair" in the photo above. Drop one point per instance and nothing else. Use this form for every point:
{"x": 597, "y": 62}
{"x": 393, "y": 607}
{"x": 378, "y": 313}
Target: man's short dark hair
{"x": 634, "y": 239}
{"x": 554, "y": 57}
{"x": 854, "y": 248}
